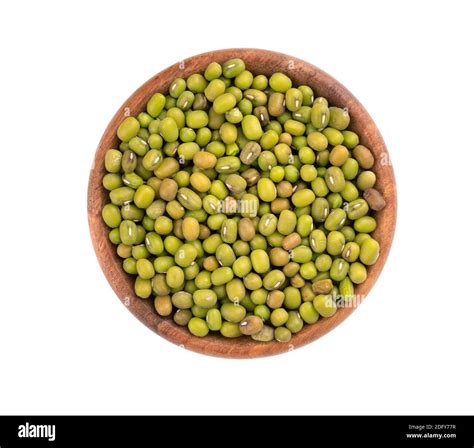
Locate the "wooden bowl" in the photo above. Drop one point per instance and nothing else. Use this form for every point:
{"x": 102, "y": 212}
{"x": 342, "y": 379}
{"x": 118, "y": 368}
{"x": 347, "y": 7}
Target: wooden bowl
{"x": 258, "y": 61}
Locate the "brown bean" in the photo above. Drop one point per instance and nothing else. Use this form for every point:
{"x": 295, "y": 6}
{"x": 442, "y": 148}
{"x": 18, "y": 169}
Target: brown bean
{"x": 204, "y": 232}
{"x": 284, "y": 189}
{"x": 285, "y": 137}
{"x": 275, "y": 299}
{"x": 204, "y": 160}
{"x": 276, "y": 104}
{"x": 246, "y": 229}
{"x": 261, "y": 113}
{"x": 178, "y": 228}
{"x": 322, "y": 286}
{"x": 338, "y": 155}
{"x": 168, "y": 189}
{"x": 279, "y": 256}
{"x": 251, "y": 325}
{"x": 299, "y": 186}
{"x": 182, "y": 317}
{"x": 279, "y": 204}
{"x": 375, "y": 199}
{"x": 210, "y": 263}
{"x": 291, "y": 241}
{"x": 363, "y": 156}
{"x": 251, "y": 175}
{"x": 190, "y": 229}
{"x": 250, "y": 152}
{"x": 297, "y": 281}
{"x": 307, "y": 293}
{"x": 163, "y": 305}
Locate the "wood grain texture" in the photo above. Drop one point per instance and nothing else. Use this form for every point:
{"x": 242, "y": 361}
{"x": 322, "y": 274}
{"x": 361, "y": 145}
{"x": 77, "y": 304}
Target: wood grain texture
{"x": 258, "y": 61}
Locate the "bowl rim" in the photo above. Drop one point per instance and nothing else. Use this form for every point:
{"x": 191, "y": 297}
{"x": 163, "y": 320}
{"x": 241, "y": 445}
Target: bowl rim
{"x": 267, "y": 61}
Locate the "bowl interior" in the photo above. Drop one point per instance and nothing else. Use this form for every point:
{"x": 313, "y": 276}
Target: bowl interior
{"x": 259, "y": 62}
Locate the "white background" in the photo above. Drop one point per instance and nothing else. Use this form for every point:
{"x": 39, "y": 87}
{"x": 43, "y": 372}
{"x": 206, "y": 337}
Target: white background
{"x": 67, "y": 345}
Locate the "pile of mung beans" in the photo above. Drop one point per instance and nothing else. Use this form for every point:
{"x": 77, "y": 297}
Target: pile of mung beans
{"x": 242, "y": 204}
